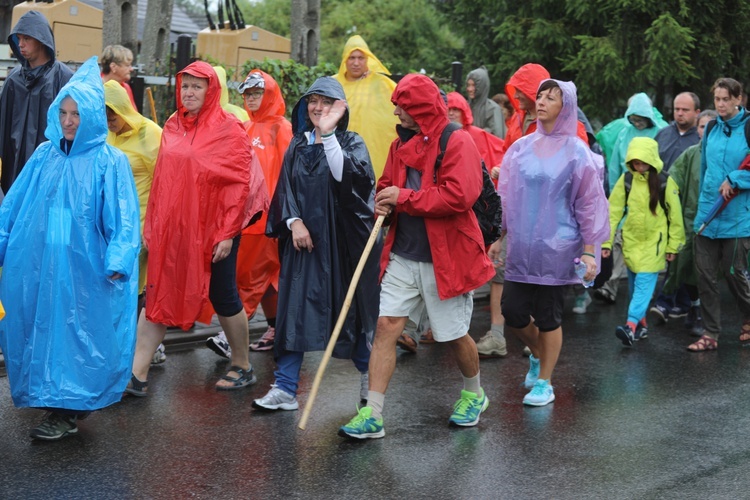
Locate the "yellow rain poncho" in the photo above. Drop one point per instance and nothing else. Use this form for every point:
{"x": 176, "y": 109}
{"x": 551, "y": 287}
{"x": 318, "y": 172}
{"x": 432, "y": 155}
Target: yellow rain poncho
{"x": 237, "y": 111}
{"x": 141, "y": 145}
{"x": 370, "y": 108}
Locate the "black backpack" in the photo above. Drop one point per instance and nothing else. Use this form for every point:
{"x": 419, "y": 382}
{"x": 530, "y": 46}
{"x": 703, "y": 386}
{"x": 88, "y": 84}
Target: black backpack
{"x": 628, "y": 180}
{"x": 487, "y": 208}
{"x": 710, "y": 125}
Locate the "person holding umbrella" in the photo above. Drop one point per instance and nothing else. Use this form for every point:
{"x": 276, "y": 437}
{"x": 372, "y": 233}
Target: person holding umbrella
{"x": 725, "y": 242}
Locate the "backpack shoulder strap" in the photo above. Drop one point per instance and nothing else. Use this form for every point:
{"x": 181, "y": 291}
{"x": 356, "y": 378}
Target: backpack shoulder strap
{"x": 709, "y": 126}
{"x": 747, "y": 131}
{"x": 628, "y": 181}
{"x": 444, "y": 136}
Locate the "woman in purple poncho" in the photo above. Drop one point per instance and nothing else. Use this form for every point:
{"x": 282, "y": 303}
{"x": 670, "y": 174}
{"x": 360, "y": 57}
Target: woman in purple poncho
{"x": 554, "y": 210}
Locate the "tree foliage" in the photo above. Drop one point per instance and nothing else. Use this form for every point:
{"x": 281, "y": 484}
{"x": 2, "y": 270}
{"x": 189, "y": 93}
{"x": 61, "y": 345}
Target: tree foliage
{"x": 609, "y": 48}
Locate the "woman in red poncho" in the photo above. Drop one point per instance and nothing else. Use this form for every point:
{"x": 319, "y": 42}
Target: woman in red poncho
{"x": 207, "y": 188}
{"x": 490, "y": 147}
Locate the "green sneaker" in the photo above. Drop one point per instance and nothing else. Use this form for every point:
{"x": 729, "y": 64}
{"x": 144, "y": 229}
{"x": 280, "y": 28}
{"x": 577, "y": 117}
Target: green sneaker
{"x": 363, "y": 426}
{"x": 466, "y": 411}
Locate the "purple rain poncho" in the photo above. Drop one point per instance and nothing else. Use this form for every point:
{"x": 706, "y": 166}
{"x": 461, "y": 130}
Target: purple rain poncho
{"x": 553, "y": 200}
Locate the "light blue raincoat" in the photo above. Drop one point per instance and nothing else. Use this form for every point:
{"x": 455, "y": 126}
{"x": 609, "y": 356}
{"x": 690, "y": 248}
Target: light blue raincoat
{"x": 67, "y": 224}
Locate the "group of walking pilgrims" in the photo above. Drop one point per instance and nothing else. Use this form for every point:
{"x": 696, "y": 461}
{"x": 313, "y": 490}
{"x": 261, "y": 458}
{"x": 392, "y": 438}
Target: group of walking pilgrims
{"x": 113, "y": 229}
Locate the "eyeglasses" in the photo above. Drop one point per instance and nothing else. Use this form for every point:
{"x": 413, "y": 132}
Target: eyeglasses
{"x": 252, "y": 95}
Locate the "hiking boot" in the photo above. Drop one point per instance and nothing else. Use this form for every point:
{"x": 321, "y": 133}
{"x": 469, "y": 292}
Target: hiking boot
{"x": 219, "y": 345}
{"x": 533, "y": 373}
{"x": 678, "y": 312}
{"x": 625, "y": 334}
{"x": 55, "y": 426}
{"x": 363, "y": 426}
{"x": 266, "y": 341}
{"x": 159, "y": 355}
{"x": 542, "y": 394}
{"x": 659, "y": 314}
{"x": 490, "y": 346}
{"x": 466, "y": 410}
{"x": 641, "y": 332}
{"x": 582, "y": 302}
{"x": 276, "y": 399}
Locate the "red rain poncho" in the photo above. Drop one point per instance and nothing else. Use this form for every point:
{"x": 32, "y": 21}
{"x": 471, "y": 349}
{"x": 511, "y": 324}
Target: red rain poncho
{"x": 207, "y": 187}
{"x": 490, "y": 147}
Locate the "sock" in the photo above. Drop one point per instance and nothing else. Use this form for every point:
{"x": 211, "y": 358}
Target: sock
{"x": 271, "y": 322}
{"x": 375, "y": 400}
{"x": 471, "y": 384}
{"x": 643, "y": 322}
{"x": 631, "y": 325}
{"x": 498, "y": 331}
{"x": 695, "y": 303}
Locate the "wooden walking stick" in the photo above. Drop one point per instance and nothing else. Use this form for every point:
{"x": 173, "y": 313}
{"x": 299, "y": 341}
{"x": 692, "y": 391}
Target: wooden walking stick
{"x": 150, "y": 96}
{"x": 340, "y": 321}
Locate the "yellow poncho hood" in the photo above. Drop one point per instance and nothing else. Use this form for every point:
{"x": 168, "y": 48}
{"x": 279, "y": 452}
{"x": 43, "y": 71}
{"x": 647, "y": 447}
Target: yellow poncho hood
{"x": 358, "y": 43}
{"x": 237, "y": 111}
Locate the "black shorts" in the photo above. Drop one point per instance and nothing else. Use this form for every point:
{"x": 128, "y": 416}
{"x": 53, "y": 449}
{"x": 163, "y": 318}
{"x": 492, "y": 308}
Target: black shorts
{"x": 222, "y": 291}
{"x": 521, "y": 301}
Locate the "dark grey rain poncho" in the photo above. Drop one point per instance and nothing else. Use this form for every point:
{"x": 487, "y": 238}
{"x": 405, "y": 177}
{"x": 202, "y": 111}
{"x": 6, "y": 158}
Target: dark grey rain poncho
{"x": 339, "y": 217}
{"x": 487, "y": 113}
{"x": 26, "y": 97}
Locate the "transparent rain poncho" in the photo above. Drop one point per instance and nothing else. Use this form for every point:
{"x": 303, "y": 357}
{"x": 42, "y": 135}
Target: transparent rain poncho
{"x": 553, "y": 200}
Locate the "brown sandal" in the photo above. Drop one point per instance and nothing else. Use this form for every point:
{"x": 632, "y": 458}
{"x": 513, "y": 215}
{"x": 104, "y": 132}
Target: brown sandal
{"x": 745, "y": 332}
{"x": 407, "y": 343}
{"x": 705, "y": 343}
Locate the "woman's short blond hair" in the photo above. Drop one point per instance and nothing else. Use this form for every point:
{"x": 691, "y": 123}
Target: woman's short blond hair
{"x": 115, "y": 54}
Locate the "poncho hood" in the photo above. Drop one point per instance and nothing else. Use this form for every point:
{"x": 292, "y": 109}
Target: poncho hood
{"x": 640, "y": 105}
{"x": 420, "y": 98}
{"x": 35, "y": 25}
{"x": 326, "y": 86}
{"x": 481, "y": 80}
{"x": 527, "y": 80}
{"x": 456, "y": 100}
{"x": 86, "y": 89}
{"x": 567, "y": 121}
{"x": 116, "y": 98}
{"x": 646, "y": 150}
{"x": 237, "y": 111}
{"x": 358, "y": 43}
{"x": 211, "y": 112}
{"x": 273, "y": 102}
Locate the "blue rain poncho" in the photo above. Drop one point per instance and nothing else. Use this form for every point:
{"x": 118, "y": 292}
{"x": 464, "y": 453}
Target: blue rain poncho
{"x": 67, "y": 224}
{"x": 553, "y": 200}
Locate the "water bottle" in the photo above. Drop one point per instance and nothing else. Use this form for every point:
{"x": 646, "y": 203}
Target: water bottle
{"x": 580, "y": 268}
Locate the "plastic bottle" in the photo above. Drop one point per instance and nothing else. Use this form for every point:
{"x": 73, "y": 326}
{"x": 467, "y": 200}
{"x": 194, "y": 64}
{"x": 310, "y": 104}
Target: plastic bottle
{"x": 580, "y": 268}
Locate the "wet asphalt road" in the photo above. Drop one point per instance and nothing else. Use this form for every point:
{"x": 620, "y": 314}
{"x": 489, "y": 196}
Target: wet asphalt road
{"x": 654, "y": 421}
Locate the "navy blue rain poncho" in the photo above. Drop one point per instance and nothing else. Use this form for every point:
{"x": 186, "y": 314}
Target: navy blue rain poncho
{"x": 26, "y": 97}
{"x": 68, "y": 223}
{"x": 339, "y": 217}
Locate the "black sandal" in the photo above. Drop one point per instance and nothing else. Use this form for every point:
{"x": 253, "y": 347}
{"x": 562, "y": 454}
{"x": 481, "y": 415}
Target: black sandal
{"x": 246, "y": 378}
{"x": 137, "y": 388}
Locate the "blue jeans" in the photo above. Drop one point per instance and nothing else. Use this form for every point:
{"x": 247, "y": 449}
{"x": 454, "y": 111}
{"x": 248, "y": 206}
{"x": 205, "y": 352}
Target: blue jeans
{"x": 288, "y": 365}
{"x": 641, "y": 287}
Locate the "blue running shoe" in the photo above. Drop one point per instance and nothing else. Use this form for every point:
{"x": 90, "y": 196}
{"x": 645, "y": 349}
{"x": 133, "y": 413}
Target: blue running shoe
{"x": 641, "y": 332}
{"x": 363, "y": 426}
{"x": 542, "y": 394}
{"x": 466, "y": 410}
{"x": 625, "y": 334}
{"x": 533, "y": 374}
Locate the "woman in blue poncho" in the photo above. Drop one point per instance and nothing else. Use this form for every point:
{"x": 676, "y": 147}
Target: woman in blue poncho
{"x": 69, "y": 242}
{"x": 554, "y": 211}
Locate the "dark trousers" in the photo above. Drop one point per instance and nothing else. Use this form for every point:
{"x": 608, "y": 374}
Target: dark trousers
{"x": 728, "y": 255}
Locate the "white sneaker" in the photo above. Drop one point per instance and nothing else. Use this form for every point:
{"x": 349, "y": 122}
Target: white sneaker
{"x": 219, "y": 345}
{"x": 266, "y": 341}
{"x": 276, "y": 399}
{"x": 582, "y": 302}
{"x": 490, "y": 346}
{"x": 159, "y": 355}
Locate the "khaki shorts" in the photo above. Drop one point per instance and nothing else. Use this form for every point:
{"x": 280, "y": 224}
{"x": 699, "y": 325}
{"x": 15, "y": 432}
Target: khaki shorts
{"x": 409, "y": 287}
